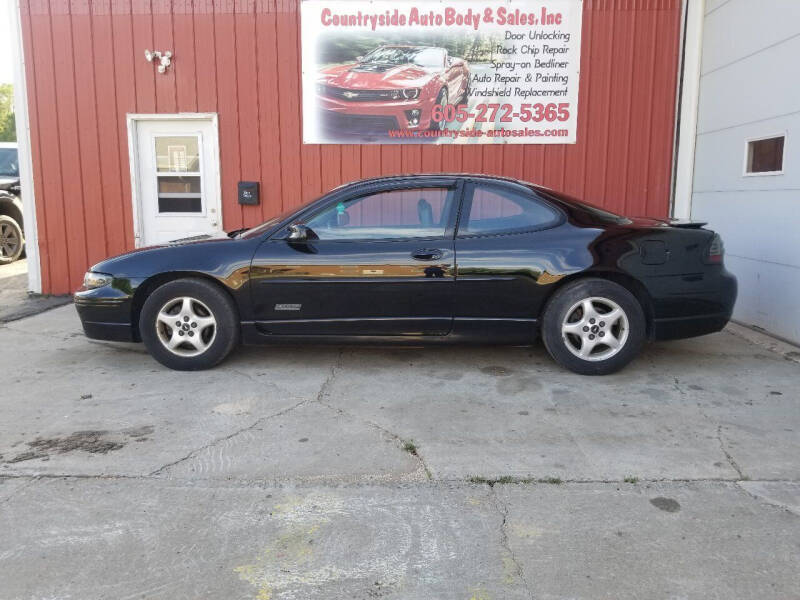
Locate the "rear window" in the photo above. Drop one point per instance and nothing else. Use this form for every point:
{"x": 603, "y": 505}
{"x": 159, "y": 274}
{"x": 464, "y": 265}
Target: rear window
{"x": 494, "y": 209}
{"x": 597, "y": 214}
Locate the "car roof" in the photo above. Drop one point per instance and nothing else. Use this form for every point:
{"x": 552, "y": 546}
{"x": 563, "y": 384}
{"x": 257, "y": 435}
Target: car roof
{"x": 482, "y": 176}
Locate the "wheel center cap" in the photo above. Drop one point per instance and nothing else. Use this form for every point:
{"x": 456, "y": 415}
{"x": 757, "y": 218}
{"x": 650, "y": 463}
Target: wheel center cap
{"x": 595, "y": 329}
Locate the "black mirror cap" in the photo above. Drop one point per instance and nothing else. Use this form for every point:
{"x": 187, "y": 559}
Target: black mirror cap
{"x": 299, "y": 233}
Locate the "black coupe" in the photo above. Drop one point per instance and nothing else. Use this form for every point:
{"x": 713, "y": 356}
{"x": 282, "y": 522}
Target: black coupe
{"x": 421, "y": 259}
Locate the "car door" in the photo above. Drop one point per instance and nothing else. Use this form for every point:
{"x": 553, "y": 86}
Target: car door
{"x": 509, "y": 246}
{"x": 382, "y": 263}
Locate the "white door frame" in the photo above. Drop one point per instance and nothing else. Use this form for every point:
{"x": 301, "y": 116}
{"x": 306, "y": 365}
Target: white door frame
{"x": 213, "y": 170}
{"x": 688, "y": 105}
{"x": 24, "y": 150}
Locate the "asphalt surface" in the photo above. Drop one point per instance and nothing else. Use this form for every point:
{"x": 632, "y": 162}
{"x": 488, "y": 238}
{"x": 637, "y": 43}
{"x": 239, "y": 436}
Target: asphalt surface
{"x": 420, "y": 473}
{"x": 15, "y": 301}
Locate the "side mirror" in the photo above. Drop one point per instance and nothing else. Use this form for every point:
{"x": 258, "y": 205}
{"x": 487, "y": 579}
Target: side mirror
{"x": 359, "y": 59}
{"x": 300, "y": 233}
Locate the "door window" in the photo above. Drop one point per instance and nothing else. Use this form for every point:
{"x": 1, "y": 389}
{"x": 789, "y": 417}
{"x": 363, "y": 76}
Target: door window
{"x": 498, "y": 210}
{"x": 178, "y": 174}
{"x": 393, "y": 214}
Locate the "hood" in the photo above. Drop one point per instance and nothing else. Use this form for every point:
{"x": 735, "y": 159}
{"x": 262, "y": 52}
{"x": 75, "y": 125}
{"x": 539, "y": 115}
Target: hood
{"x": 108, "y": 263}
{"x": 363, "y": 76}
{"x": 194, "y": 239}
{"x": 205, "y": 237}
{"x": 8, "y": 182}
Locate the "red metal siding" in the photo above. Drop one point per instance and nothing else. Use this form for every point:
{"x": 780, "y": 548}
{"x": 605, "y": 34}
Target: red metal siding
{"x": 241, "y": 59}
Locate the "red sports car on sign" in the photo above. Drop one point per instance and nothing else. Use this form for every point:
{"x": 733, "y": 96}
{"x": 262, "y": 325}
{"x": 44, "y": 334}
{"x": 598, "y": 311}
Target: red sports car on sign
{"x": 392, "y": 87}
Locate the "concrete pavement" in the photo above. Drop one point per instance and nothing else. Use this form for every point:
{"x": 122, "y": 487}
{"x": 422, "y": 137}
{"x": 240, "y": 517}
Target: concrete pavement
{"x": 15, "y": 301}
{"x": 430, "y": 473}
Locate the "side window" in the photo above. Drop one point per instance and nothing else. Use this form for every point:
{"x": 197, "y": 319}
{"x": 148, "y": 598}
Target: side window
{"x": 494, "y": 209}
{"x": 393, "y": 214}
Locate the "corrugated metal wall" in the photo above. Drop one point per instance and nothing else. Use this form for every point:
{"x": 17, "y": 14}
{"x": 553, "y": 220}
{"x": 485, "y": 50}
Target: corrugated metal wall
{"x": 86, "y": 70}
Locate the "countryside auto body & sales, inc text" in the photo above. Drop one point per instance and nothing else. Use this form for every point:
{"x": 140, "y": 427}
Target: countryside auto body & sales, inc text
{"x": 441, "y": 72}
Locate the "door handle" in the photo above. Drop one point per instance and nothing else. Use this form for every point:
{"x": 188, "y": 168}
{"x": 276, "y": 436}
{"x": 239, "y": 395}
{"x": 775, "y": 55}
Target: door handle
{"x": 427, "y": 254}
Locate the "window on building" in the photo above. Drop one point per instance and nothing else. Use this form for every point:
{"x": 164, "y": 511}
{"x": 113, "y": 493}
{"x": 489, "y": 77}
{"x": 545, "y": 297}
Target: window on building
{"x": 765, "y": 156}
{"x": 178, "y": 174}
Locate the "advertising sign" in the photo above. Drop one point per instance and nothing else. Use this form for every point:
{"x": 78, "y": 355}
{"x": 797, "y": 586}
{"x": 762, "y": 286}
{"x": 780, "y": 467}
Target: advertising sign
{"x": 440, "y": 72}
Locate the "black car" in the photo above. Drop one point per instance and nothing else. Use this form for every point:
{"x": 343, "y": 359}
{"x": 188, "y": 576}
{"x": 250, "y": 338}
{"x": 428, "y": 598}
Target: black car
{"x": 421, "y": 259}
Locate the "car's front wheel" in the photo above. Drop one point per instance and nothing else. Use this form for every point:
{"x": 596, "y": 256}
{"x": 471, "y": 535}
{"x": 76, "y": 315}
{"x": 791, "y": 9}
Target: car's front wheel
{"x": 189, "y": 324}
{"x": 12, "y": 240}
{"x": 593, "y": 327}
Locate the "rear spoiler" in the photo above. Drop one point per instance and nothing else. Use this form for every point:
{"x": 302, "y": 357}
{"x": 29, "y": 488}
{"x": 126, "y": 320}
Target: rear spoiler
{"x": 685, "y": 224}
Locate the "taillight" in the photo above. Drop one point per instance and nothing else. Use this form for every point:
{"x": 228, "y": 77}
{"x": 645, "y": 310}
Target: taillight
{"x": 716, "y": 251}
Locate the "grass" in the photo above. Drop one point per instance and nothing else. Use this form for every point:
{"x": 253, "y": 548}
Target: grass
{"x": 508, "y": 479}
{"x": 410, "y": 447}
{"x": 552, "y": 480}
{"x": 631, "y": 479}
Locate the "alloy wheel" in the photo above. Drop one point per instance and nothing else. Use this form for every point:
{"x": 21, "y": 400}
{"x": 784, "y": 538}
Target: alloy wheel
{"x": 186, "y": 326}
{"x": 595, "y": 329}
{"x": 9, "y": 240}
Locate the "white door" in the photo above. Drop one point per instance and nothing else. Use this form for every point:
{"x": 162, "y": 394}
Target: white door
{"x": 178, "y": 182}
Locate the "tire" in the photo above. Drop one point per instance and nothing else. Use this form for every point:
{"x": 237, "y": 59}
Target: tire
{"x": 12, "y": 240}
{"x": 441, "y": 100}
{"x": 579, "y": 344}
{"x": 464, "y": 99}
{"x": 209, "y": 324}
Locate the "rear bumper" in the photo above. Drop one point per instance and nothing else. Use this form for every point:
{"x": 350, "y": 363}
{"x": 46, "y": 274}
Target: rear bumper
{"x": 105, "y": 314}
{"x": 695, "y": 306}
{"x": 687, "y": 327}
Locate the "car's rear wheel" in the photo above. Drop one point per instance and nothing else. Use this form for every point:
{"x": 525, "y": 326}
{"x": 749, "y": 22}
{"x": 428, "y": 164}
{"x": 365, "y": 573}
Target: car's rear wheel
{"x": 441, "y": 100}
{"x": 12, "y": 240}
{"x": 593, "y": 327}
{"x": 189, "y": 324}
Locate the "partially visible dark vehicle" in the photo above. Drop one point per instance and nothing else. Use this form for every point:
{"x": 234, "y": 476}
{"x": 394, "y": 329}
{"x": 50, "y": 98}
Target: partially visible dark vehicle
{"x": 12, "y": 237}
{"x": 421, "y": 259}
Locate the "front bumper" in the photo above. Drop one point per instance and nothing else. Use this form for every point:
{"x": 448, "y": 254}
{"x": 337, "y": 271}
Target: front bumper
{"x": 106, "y": 314}
{"x": 378, "y": 117}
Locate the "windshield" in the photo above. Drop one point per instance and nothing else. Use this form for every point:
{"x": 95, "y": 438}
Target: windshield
{"x": 9, "y": 165}
{"x": 393, "y": 55}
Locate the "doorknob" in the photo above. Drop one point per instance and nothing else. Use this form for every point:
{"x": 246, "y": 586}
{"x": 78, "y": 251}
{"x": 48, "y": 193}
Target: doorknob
{"x": 427, "y": 254}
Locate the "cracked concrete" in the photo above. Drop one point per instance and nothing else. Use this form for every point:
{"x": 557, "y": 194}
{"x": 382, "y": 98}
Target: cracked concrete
{"x": 285, "y": 473}
{"x": 518, "y": 569}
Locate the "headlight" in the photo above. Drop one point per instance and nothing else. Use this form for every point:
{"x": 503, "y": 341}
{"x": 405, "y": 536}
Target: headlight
{"x": 409, "y": 94}
{"x": 96, "y": 280}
